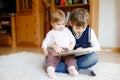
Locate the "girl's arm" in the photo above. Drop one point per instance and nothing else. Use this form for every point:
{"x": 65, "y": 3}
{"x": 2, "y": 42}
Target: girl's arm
{"x": 72, "y": 44}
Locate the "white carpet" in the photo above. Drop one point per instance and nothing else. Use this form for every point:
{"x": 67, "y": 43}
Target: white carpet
{"x": 29, "y": 66}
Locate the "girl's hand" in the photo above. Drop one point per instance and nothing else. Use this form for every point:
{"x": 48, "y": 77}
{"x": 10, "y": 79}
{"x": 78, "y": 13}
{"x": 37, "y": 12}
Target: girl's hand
{"x": 58, "y": 49}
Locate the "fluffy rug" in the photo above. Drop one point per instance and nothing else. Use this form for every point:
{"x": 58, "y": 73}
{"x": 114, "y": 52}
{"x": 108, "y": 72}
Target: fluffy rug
{"x": 29, "y": 66}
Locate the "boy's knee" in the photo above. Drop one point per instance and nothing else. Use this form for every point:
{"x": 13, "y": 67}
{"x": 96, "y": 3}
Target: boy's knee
{"x": 87, "y": 61}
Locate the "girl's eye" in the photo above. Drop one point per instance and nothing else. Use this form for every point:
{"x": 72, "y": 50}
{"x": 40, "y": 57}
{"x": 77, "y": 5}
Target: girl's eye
{"x": 61, "y": 24}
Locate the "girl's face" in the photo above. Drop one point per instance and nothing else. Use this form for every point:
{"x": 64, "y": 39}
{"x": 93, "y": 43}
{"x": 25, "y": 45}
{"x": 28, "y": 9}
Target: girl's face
{"x": 78, "y": 30}
{"x": 59, "y": 26}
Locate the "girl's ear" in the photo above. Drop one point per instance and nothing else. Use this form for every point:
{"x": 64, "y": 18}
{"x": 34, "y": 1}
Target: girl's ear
{"x": 53, "y": 24}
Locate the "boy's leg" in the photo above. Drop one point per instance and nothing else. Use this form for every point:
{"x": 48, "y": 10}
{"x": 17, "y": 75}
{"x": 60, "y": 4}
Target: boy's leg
{"x": 61, "y": 67}
{"x": 83, "y": 62}
{"x": 87, "y": 61}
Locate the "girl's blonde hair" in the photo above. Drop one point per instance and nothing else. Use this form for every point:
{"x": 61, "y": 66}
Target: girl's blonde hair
{"x": 58, "y": 16}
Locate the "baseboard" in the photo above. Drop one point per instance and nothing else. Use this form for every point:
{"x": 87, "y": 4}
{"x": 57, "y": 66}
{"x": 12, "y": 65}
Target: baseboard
{"x": 114, "y": 49}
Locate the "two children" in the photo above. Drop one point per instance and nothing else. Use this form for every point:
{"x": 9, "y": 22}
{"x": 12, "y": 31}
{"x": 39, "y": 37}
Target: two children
{"x": 85, "y": 38}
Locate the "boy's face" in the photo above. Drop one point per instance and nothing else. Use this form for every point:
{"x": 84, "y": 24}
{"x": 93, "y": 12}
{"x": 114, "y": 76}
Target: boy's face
{"x": 59, "y": 26}
{"x": 79, "y": 29}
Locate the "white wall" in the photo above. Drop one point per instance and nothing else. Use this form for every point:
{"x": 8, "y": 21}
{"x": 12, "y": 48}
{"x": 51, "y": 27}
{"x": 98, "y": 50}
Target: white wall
{"x": 109, "y": 23}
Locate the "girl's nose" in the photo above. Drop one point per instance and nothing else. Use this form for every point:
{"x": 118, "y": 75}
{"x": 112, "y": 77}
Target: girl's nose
{"x": 61, "y": 27}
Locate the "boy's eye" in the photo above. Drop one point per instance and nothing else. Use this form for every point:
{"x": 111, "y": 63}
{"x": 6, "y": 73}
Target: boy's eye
{"x": 83, "y": 27}
{"x": 77, "y": 27}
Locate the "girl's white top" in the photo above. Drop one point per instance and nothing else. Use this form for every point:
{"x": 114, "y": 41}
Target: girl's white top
{"x": 62, "y": 38}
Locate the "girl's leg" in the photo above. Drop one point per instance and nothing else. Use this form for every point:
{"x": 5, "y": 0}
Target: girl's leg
{"x": 71, "y": 63}
{"x": 51, "y": 63}
{"x": 52, "y": 60}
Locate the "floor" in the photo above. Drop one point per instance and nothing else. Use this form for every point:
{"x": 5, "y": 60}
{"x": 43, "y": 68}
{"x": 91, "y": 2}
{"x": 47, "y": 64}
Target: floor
{"x": 113, "y": 57}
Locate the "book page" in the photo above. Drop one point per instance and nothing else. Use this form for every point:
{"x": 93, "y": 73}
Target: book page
{"x": 80, "y": 52}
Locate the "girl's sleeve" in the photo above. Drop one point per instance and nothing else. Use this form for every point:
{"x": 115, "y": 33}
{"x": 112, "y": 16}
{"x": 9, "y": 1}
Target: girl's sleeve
{"x": 71, "y": 37}
{"x": 47, "y": 40}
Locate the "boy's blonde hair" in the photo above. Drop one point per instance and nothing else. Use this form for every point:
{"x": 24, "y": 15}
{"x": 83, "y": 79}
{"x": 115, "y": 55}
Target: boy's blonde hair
{"x": 79, "y": 17}
{"x": 58, "y": 16}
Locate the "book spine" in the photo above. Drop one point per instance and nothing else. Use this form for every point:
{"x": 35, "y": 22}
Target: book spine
{"x": 57, "y": 2}
{"x": 61, "y": 2}
{"x": 75, "y": 1}
{"x": 69, "y": 2}
{"x": 84, "y": 1}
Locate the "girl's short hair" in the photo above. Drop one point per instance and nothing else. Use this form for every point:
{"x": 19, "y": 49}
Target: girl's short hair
{"x": 58, "y": 16}
{"x": 79, "y": 17}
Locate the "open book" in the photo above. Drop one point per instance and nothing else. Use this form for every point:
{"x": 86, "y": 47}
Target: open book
{"x": 81, "y": 52}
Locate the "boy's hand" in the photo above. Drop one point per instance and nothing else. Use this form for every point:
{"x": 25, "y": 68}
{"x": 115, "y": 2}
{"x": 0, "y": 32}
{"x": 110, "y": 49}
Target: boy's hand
{"x": 85, "y": 49}
{"x": 82, "y": 49}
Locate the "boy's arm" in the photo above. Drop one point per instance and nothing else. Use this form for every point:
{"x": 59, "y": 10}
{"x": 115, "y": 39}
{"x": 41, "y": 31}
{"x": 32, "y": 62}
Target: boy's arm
{"x": 94, "y": 41}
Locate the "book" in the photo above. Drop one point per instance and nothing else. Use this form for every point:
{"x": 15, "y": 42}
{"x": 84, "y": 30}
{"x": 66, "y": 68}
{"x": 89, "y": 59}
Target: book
{"x": 81, "y": 52}
{"x": 68, "y": 16}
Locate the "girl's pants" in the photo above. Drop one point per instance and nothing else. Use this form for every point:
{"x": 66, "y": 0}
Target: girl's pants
{"x": 52, "y": 60}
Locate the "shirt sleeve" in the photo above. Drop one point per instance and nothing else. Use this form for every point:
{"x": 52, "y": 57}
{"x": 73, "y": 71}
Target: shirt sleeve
{"x": 94, "y": 41}
{"x": 71, "y": 37}
{"x": 47, "y": 40}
